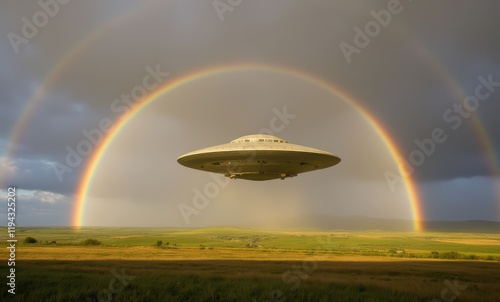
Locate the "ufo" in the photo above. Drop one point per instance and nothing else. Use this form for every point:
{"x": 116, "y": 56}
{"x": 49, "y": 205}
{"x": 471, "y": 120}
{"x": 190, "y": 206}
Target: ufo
{"x": 258, "y": 157}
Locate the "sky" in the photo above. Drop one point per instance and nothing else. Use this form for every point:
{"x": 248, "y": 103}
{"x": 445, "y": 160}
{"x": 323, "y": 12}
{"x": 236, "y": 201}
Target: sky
{"x": 348, "y": 77}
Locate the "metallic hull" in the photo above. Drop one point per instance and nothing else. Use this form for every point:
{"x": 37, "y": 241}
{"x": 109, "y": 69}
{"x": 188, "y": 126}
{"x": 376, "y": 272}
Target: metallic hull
{"x": 256, "y": 160}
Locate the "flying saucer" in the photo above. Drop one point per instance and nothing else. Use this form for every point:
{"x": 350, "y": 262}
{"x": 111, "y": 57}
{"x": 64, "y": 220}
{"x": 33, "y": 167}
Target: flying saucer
{"x": 258, "y": 157}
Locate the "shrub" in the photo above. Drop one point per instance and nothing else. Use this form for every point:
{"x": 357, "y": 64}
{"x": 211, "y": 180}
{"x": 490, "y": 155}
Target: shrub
{"x": 90, "y": 241}
{"x": 451, "y": 255}
{"x": 30, "y": 240}
{"x": 159, "y": 243}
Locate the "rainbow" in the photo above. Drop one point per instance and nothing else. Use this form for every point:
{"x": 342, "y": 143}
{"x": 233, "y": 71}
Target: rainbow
{"x": 100, "y": 31}
{"x": 62, "y": 66}
{"x": 481, "y": 134}
{"x": 93, "y": 162}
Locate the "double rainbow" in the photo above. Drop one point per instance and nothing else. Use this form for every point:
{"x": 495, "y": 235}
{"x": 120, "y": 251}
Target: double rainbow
{"x": 99, "y": 33}
{"x": 93, "y": 163}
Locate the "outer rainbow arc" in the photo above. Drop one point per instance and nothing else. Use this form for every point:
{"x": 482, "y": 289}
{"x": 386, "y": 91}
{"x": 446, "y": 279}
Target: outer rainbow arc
{"x": 86, "y": 178}
{"x": 76, "y": 51}
{"x": 459, "y": 94}
{"x": 476, "y": 124}
{"x": 55, "y": 74}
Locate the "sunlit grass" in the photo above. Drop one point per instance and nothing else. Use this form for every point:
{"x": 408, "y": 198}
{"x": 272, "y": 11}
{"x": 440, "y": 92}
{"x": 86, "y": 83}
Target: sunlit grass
{"x": 375, "y": 243}
{"x": 247, "y": 280}
{"x": 232, "y": 264}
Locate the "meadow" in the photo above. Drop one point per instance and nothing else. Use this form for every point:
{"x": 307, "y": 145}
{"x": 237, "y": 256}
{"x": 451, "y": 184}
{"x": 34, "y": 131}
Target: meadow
{"x": 238, "y": 264}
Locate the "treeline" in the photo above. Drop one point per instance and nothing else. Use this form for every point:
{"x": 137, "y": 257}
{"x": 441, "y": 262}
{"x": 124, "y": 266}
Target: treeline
{"x": 86, "y": 242}
{"x": 446, "y": 255}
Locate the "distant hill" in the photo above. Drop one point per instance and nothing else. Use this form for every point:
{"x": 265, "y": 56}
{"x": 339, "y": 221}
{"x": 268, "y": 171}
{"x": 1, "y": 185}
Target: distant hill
{"x": 463, "y": 226}
{"x": 358, "y": 222}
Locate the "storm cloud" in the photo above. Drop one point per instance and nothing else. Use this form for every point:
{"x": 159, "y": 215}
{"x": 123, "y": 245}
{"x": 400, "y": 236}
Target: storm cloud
{"x": 415, "y": 66}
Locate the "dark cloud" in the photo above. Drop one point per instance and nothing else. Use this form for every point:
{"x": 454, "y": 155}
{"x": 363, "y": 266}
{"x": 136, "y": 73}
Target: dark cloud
{"x": 427, "y": 58}
{"x": 39, "y": 208}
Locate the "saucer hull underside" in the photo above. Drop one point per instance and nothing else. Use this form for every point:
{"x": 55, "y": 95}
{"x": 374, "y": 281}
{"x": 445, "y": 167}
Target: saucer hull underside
{"x": 254, "y": 164}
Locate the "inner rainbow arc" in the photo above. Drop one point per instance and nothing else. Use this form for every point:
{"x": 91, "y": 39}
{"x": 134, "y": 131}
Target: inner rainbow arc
{"x": 93, "y": 162}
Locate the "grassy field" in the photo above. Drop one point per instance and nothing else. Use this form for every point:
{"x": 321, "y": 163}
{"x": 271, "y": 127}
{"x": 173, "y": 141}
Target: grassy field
{"x": 231, "y": 264}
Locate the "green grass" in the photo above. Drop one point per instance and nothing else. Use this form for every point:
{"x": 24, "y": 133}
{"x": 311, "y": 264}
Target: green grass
{"x": 235, "y": 264}
{"x": 340, "y": 242}
{"x": 248, "y": 281}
